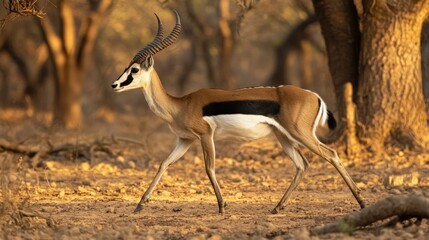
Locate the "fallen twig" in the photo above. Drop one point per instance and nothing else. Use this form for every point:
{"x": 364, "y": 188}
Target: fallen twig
{"x": 86, "y": 150}
{"x": 129, "y": 140}
{"x": 18, "y": 148}
{"x": 33, "y": 213}
{"x": 403, "y": 207}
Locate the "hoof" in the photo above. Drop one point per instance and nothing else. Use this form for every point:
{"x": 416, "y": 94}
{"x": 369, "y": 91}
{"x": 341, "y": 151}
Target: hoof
{"x": 221, "y": 210}
{"x": 138, "y": 208}
{"x": 222, "y": 207}
{"x": 275, "y": 210}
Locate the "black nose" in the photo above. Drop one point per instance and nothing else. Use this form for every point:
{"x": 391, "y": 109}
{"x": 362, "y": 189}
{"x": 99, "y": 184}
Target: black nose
{"x": 114, "y": 85}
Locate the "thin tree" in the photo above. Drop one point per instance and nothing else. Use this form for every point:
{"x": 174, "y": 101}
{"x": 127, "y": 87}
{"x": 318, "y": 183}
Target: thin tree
{"x": 216, "y": 41}
{"x": 70, "y": 55}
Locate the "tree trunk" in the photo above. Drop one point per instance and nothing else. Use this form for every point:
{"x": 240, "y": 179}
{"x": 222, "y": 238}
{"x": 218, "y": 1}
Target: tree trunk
{"x": 283, "y": 51}
{"x": 306, "y": 66}
{"x": 352, "y": 143}
{"x": 425, "y": 59}
{"x": 67, "y": 97}
{"x": 4, "y": 91}
{"x": 203, "y": 34}
{"x": 70, "y": 57}
{"x": 187, "y": 69}
{"x": 226, "y": 45}
{"x": 390, "y": 85}
{"x": 340, "y": 29}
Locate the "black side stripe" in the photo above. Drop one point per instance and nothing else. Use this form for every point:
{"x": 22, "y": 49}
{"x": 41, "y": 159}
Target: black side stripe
{"x": 127, "y": 82}
{"x": 254, "y": 107}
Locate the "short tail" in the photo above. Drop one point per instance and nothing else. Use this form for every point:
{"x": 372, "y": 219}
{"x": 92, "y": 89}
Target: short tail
{"x": 332, "y": 123}
{"x": 325, "y": 116}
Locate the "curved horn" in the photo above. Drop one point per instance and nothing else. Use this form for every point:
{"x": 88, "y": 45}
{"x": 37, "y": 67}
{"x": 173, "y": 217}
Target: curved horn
{"x": 158, "y": 43}
{"x": 174, "y": 33}
{"x": 151, "y": 48}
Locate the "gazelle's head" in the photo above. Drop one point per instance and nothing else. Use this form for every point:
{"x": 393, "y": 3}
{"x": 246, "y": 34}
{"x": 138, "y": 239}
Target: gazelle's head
{"x": 138, "y": 72}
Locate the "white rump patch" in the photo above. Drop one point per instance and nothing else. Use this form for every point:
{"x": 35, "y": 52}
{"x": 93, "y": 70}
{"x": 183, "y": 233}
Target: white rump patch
{"x": 322, "y": 114}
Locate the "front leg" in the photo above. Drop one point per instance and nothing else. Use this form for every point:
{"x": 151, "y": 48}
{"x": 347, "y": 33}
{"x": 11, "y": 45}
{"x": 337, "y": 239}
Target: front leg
{"x": 209, "y": 160}
{"x": 182, "y": 145}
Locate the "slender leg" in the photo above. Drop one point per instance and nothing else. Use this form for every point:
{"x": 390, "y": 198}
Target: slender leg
{"x": 301, "y": 165}
{"x": 182, "y": 145}
{"x": 331, "y": 156}
{"x": 335, "y": 161}
{"x": 209, "y": 160}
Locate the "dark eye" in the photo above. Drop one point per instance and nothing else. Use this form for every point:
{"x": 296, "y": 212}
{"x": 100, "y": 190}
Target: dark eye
{"x": 134, "y": 70}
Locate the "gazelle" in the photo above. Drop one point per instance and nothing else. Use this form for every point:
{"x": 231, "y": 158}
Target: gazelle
{"x": 292, "y": 113}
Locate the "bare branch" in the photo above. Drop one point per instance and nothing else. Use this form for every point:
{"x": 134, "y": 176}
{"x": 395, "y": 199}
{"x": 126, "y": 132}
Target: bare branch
{"x": 202, "y": 27}
{"x": 245, "y": 6}
{"x": 53, "y": 41}
{"x": 67, "y": 28}
{"x": 82, "y": 149}
{"x": 401, "y": 206}
{"x": 205, "y": 37}
{"x": 92, "y": 24}
{"x": 278, "y": 77}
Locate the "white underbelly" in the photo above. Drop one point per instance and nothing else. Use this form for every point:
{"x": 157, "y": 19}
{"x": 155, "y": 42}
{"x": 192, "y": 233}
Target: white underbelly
{"x": 240, "y": 126}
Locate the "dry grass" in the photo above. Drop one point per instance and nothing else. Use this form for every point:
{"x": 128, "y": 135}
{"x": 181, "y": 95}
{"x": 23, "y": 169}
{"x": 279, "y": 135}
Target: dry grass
{"x": 11, "y": 187}
{"x": 15, "y": 195}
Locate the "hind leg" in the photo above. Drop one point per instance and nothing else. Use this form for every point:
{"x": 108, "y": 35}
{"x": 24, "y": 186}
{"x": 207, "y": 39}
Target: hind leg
{"x": 335, "y": 161}
{"x": 309, "y": 140}
{"x": 301, "y": 164}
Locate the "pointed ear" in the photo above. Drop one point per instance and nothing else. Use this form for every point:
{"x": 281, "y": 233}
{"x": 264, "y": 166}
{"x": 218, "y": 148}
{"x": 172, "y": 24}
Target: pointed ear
{"x": 148, "y": 63}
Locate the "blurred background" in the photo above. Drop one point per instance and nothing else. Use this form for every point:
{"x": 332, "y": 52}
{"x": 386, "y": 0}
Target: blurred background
{"x": 265, "y": 43}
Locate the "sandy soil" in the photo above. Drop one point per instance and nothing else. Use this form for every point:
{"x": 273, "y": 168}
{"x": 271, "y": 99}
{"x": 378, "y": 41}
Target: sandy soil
{"x": 95, "y": 198}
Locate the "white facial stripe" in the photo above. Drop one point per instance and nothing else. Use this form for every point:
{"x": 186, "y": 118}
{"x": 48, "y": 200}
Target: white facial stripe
{"x": 133, "y": 77}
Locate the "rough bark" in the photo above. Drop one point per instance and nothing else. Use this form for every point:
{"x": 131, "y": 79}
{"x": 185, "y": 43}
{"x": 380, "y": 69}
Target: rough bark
{"x": 391, "y": 99}
{"x": 352, "y": 143}
{"x": 340, "y": 29}
{"x": 425, "y": 61}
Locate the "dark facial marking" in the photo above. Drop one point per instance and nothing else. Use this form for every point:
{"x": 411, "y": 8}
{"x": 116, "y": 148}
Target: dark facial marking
{"x": 254, "y": 107}
{"x": 127, "y": 82}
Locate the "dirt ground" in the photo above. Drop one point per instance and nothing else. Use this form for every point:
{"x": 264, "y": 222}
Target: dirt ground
{"x": 67, "y": 196}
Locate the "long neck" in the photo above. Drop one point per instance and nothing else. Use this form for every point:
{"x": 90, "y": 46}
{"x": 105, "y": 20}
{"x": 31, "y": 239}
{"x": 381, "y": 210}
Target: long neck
{"x": 159, "y": 101}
